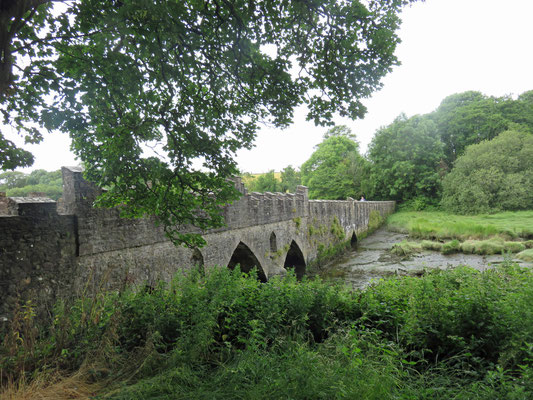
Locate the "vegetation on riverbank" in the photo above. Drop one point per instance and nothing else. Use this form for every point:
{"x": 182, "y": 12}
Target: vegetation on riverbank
{"x": 507, "y": 232}
{"x": 436, "y": 225}
{"x": 455, "y": 334}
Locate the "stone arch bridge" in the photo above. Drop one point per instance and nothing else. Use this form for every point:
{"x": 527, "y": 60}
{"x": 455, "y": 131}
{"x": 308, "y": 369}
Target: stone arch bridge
{"x": 50, "y": 250}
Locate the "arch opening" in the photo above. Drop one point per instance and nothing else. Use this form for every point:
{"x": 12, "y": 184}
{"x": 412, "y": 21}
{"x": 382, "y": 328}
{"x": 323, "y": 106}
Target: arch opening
{"x": 197, "y": 260}
{"x": 246, "y": 259}
{"x": 353, "y": 241}
{"x": 273, "y": 243}
{"x": 295, "y": 259}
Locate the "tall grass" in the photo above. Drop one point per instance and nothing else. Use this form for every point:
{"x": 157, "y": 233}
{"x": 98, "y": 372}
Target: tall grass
{"x": 457, "y": 334}
{"x": 440, "y": 225}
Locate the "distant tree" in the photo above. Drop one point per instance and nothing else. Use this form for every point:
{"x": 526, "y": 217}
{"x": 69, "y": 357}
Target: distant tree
{"x": 405, "y": 160}
{"x": 265, "y": 183}
{"x": 12, "y": 179}
{"x": 52, "y": 191}
{"x": 467, "y": 118}
{"x": 340, "y": 130}
{"x": 333, "y": 170}
{"x": 518, "y": 112}
{"x": 41, "y": 176}
{"x": 19, "y": 184}
{"x": 491, "y": 176}
{"x": 410, "y": 157}
{"x": 290, "y": 178}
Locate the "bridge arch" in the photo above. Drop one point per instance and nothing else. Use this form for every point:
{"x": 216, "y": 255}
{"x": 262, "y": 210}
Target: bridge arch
{"x": 295, "y": 259}
{"x": 353, "y": 241}
{"x": 273, "y": 243}
{"x": 247, "y": 260}
{"x": 197, "y": 260}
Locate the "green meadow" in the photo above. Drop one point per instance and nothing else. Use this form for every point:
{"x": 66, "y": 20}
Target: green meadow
{"x": 485, "y": 234}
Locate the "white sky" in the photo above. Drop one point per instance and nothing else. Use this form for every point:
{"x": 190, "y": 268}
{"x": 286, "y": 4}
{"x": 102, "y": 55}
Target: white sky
{"x": 448, "y": 46}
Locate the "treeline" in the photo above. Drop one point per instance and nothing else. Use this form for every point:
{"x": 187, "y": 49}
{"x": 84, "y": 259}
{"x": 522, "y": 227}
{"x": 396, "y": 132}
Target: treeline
{"x": 19, "y": 184}
{"x": 288, "y": 179}
{"x": 472, "y": 154}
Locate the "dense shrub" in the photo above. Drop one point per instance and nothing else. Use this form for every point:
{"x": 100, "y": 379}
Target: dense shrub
{"x": 450, "y": 334}
{"x": 405, "y": 159}
{"x": 492, "y": 176}
{"x": 18, "y": 184}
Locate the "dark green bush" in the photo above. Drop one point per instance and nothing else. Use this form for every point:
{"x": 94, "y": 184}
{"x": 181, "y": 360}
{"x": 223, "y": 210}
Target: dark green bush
{"x": 494, "y": 175}
{"x": 450, "y": 334}
{"x": 464, "y": 313}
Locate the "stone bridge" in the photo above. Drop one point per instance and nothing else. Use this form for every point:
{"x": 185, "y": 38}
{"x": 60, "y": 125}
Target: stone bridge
{"x": 50, "y": 250}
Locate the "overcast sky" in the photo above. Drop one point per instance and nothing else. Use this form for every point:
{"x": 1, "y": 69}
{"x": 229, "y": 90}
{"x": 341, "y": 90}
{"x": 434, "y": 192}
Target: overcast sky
{"x": 448, "y": 46}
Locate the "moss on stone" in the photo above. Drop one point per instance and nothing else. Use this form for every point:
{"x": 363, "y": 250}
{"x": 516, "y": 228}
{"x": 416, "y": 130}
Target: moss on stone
{"x": 405, "y": 248}
{"x": 453, "y": 246}
{"x": 430, "y": 245}
{"x": 526, "y": 255}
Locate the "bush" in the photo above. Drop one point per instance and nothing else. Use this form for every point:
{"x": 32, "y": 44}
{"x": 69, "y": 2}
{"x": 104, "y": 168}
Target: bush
{"x": 419, "y": 203}
{"x": 526, "y": 255}
{"x": 450, "y": 334}
{"x": 492, "y": 176}
{"x": 450, "y": 247}
{"x": 462, "y": 315}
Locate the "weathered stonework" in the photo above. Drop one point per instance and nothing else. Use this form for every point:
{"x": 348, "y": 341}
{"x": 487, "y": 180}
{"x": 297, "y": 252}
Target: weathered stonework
{"x": 50, "y": 250}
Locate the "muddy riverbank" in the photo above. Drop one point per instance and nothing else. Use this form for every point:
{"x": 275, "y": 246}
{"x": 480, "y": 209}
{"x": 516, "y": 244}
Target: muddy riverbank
{"x": 372, "y": 259}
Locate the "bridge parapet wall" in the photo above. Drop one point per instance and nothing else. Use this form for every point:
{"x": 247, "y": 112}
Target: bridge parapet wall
{"x": 102, "y": 230}
{"x": 353, "y": 215}
{"x": 266, "y": 208}
{"x": 37, "y": 256}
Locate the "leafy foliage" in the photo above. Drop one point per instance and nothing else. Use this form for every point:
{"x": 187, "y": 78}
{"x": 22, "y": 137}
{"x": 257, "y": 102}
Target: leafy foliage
{"x": 334, "y": 170}
{"x": 405, "y": 160}
{"x": 20, "y": 184}
{"x": 290, "y": 179}
{"x": 265, "y": 183}
{"x": 453, "y": 333}
{"x": 492, "y": 176}
{"x": 149, "y": 90}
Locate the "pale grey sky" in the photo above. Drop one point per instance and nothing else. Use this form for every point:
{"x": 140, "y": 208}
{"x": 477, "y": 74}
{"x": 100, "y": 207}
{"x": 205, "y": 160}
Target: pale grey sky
{"x": 448, "y": 46}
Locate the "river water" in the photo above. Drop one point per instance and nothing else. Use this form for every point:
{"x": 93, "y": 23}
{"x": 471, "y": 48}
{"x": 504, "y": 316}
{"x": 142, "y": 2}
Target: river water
{"x": 372, "y": 260}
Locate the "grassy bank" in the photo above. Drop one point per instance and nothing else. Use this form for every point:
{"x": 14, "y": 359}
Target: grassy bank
{"x": 440, "y": 225}
{"x": 508, "y": 232}
{"x": 460, "y": 334}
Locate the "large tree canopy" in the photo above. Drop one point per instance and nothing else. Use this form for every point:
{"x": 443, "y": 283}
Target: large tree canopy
{"x": 334, "y": 169}
{"x": 406, "y": 160}
{"x": 492, "y": 176}
{"x": 470, "y": 117}
{"x": 409, "y": 157}
{"x": 189, "y": 79}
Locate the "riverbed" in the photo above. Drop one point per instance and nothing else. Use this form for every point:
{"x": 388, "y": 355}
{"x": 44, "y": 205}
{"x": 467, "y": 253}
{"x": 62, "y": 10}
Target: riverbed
{"x": 373, "y": 260}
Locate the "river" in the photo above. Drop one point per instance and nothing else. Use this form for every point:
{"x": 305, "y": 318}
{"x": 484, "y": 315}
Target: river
{"x": 372, "y": 260}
